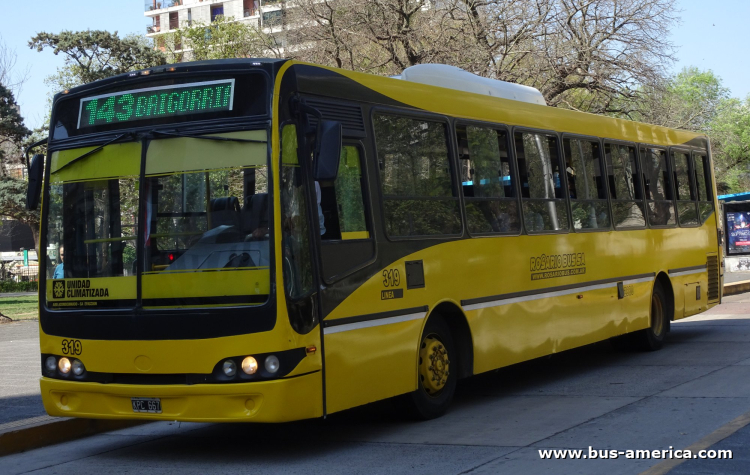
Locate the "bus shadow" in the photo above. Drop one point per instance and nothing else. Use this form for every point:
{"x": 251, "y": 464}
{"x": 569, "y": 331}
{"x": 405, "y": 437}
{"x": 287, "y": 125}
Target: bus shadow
{"x": 481, "y": 404}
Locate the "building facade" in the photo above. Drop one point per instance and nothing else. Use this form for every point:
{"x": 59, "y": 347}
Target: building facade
{"x": 166, "y": 16}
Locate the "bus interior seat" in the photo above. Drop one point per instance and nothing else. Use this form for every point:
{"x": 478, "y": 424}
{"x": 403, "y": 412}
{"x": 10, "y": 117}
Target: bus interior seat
{"x": 255, "y": 213}
{"x": 225, "y": 211}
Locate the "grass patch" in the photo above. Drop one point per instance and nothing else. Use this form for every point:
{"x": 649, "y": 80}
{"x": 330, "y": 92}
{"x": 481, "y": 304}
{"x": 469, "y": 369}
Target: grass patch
{"x": 20, "y": 308}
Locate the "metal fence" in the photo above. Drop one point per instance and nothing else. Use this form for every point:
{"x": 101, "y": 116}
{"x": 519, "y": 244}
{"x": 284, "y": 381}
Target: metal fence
{"x": 10, "y": 271}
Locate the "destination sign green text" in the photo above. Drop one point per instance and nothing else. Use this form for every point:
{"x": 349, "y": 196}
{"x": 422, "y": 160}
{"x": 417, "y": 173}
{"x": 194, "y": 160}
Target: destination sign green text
{"x": 152, "y": 103}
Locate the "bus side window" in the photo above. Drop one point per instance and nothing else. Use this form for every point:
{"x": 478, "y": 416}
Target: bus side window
{"x": 657, "y": 183}
{"x": 347, "y": 242}
{"x": 687, "y": 210}
{"x": 487, "y": 181}
{"x": 415, "y": 176}
{"x": 542, "y": 195}
{"x": 701, "y": 168}
{"x": 624, "y": 186}
{"x": 342, "y": 200}
{"x": 586, "y": 184}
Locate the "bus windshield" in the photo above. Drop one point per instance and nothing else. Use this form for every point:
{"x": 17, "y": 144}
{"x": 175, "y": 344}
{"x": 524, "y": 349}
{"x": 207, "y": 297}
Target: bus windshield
{"x": 202, "y": 211}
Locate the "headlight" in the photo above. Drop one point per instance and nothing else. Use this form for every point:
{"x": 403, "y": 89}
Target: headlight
{"x": 64, "y": 365}
{"x": 50, "y": 364}
{"x": 78, "y": 367}
{"x": 272, "y": 364}
{"x": 249, "y": 365}
{"x": 229, "y": 367}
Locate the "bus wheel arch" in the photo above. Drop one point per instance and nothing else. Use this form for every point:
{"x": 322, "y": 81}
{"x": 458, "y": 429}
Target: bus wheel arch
{"x": 459, "y": 327}
{"x": 442, "y": 358}
{"x": 666, "y": 284}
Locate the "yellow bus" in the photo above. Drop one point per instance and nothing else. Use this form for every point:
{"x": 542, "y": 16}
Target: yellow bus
{"x": 269, "y": 240}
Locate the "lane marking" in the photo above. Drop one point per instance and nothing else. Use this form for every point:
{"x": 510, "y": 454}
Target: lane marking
{"x": 714, "y": 437}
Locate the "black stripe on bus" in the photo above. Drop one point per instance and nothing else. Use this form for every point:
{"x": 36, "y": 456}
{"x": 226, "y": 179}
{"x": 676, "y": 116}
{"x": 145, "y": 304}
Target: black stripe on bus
{"x": 217, "y": 300}
{"x": 374, "y": 316}
{"x": 685, "y": 269}
{"x": 546, "y": 290}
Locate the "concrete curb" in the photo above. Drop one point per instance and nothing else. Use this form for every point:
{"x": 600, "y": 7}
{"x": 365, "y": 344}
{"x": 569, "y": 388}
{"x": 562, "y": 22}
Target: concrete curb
{"x": 42, "y": 431}
{"x": 737, "y": 287}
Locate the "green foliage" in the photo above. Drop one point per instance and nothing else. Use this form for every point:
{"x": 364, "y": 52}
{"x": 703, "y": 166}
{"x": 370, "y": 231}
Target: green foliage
{"x": 688, "y": 100}
{"x": 11, "y": 286}
{"x": 94, "y": 54}
{"x": 12, "y": 130}
{"x": 128, "y": 256}
{"x": 349, "y": 192}
{"x": 13, "y": 203}
{"x": 699, "y": 88}
{"x": 13, "y": 190}
{"x": 223, "y": 38}
{"x": 730, "y": 136}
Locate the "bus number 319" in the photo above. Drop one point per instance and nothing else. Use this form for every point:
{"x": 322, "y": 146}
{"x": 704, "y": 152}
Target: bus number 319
{"x": 391, "y": 278}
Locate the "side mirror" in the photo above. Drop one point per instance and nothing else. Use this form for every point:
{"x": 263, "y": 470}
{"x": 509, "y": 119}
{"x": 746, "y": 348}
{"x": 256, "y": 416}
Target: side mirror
{"x": 327, "y": 151}
{"x": 36, "y": 177}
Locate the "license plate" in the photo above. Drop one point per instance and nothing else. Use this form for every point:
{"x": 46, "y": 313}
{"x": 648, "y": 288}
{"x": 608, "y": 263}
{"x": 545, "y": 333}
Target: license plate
{"x": 146, "y": 404}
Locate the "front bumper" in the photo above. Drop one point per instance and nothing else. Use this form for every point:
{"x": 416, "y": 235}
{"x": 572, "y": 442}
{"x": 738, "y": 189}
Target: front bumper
{"x": 278, "y": 400}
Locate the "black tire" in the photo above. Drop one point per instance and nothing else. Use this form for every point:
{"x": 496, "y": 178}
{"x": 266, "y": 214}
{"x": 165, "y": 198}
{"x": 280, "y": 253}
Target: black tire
{"x": 652, "y": 338}
{"x": 429, "y": 402}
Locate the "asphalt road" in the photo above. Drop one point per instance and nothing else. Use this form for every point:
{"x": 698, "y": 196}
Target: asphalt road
{"x": 593, "y": 396}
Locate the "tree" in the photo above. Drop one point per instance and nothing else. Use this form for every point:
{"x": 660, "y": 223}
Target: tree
{"x": 730, "y": 143}
{"x": 9, "y": 76}
{"x": 13, "y": 188}
{"x": 581, "y": 54}
{"x": 13, "y": 204}
{"x": 688, "y": 100}
{"x": 12, "y": 129}
{"x": 377, "y": 36}
{"x": 222, "y": 38}
{"x": 93, "y": 54}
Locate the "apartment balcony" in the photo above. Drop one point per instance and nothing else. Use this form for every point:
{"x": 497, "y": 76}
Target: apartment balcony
{"x": 251, "y": 12}
{"x": 152, "y": 29}
{"x": 151, "y": 5}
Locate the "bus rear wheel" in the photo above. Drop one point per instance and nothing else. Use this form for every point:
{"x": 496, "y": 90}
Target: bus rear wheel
{"x": 652, "y": 338}
{"x": 437, "y": 372}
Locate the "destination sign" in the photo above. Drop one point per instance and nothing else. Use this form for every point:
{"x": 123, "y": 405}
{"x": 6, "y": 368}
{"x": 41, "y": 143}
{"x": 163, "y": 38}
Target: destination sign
{"x": 157, "y": 102}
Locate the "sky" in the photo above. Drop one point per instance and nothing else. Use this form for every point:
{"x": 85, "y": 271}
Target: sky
{"x": 712, "y": 35}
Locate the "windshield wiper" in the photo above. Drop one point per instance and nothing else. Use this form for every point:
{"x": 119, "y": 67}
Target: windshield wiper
{"x": 208, "y": 137}
{"x": 91, "y": 152}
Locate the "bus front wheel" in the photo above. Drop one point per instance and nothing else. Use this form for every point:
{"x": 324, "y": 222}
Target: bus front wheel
{"x": 437, "y": 372}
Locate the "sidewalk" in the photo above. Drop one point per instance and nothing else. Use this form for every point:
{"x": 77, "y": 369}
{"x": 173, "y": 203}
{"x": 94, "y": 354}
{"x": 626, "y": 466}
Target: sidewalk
{"x": 17, "y": 294}
{"x": 20, "y": 367}
{"x": 24, "y": 424}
